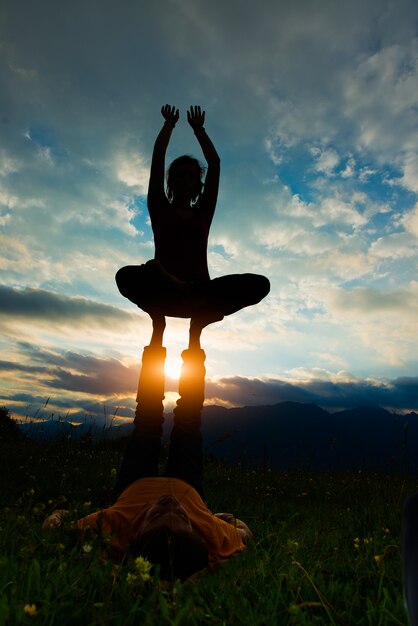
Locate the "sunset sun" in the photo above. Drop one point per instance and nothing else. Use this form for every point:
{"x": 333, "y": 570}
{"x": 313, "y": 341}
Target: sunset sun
{"x": 173, "y": 367}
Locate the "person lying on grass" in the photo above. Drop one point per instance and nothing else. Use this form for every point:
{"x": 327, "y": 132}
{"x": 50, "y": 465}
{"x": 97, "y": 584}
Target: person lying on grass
{"x": 176, "y": 532}
{"x": 164, "y": 518}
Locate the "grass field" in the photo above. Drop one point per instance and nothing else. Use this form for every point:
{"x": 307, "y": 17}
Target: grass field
{"x": 326, "y": 549}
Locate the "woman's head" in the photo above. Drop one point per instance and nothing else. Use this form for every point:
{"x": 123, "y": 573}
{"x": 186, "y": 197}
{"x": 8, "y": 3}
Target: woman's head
{"x": 178, "y": 554}
{"x": 184, "y": 179}
{"x": 167, "y": 539}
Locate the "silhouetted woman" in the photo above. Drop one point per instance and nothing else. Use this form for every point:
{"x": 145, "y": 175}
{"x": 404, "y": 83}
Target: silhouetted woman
{"x": 176, "y": 282}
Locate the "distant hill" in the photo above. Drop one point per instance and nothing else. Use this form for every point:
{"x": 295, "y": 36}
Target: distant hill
{"x": 292, "y": 435}
{"x": 286, "y": 435}
{"x": 51, "y": 430}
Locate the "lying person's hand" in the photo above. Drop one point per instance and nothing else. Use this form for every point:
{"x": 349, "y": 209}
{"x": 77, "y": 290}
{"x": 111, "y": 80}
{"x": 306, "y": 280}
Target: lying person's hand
{"x": 241, "y": 526}
{"x": 244, "y": 531}
{"x": 55, "y": 519}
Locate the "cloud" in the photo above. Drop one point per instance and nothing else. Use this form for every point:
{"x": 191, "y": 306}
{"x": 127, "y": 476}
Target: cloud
{"x": 7, "y": 200}
{"x": 8, "y": 164}
{"x": 133, "y": 170}
{"x": 395, "y": 246}
{"x": 332, "y": 392}
{"x": 77, "y": 383}
{"x": 92, "y": 375}
{"x": 70, "y": 371}
{"x": 11, "y": 366}
{"x": 369, "y": 301}
{"x": 410, "y": 167}
{"x": 48, "y": 307}
{"x": 379, "y": 94}
{"x": 325, "y": 160}
{"x": 379, "y": 325}
{"x": 410, "y": 221}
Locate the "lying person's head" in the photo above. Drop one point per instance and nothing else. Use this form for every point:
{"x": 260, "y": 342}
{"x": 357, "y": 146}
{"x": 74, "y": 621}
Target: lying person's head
{"x": 168, "y": 540}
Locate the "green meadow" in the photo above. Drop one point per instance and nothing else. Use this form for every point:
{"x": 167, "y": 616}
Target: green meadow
{"x": 327, "y": 547}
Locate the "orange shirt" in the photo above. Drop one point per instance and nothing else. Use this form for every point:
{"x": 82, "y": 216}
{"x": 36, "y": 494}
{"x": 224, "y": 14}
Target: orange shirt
{"x": 123, "y": 519}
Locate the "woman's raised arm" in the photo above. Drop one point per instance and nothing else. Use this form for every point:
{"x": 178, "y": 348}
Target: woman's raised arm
{"x": 196, "y": 119}
{"x": 156, "y": 180}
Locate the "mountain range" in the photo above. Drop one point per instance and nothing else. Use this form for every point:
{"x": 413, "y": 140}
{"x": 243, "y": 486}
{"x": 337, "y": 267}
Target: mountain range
{"x": 287, "y": 435}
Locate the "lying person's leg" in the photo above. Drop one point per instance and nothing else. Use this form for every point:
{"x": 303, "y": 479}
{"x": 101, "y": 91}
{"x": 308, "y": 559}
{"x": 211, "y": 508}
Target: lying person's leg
{"x": 185, "y": 458}
{"x": 142, "y": 452}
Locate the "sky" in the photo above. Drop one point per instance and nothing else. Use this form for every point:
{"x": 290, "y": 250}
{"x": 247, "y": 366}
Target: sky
{"x": 313, "y": 109}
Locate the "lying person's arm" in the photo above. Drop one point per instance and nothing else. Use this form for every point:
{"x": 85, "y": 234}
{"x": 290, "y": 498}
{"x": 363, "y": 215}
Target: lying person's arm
{"x": 55, "y": 519}
{"x": 241, "y": 526}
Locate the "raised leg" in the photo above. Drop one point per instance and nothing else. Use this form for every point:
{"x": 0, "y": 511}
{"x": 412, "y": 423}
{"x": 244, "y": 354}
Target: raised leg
{"x": 185, "y": 459}
{"x": 231, "y": 293}
{"x": 142, "y": 451}
{"x": 154, "y": 290}
{"x": 222, "y": 296}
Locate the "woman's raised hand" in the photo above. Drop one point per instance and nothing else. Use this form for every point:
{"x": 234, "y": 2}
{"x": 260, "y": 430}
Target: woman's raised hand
{"x": 170, "y": 114}
{"x": 195, "y": 117}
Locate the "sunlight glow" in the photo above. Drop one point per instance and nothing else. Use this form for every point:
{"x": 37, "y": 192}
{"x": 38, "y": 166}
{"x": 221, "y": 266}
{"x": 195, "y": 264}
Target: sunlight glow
{"x": 173, "y": 367}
